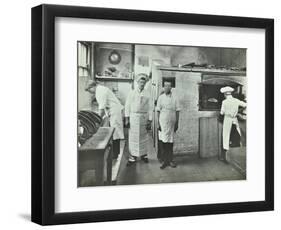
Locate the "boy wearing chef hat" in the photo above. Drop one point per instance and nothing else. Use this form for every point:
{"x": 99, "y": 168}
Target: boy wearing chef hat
{"x": 229, "y": 109}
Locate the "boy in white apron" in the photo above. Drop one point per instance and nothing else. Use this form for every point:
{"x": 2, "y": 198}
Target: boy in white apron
{"x": 168, "y": 109}
{"x": 229, "y": 109}
{"x": 110, "y": 106}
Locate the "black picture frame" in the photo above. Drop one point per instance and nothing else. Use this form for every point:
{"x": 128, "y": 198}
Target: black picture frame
{"x": 43, "y": 113}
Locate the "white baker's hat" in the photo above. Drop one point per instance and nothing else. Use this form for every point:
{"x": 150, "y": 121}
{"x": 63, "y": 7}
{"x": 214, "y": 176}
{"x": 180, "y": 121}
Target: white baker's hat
{"x": 226, "y": 89}
{"x": 142, "y": 76}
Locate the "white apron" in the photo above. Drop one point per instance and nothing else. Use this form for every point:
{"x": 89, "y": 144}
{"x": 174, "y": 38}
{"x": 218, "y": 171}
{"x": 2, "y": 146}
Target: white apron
{"x": 227, "y": 125}
{"x": 108, "y": 101}
{"x": 230, "y": 109}
{"x": 116, "y": 121}
{"x": 138, "y": 135}
{"x": 167, "y": 120}
{"x": 139, "y": 107}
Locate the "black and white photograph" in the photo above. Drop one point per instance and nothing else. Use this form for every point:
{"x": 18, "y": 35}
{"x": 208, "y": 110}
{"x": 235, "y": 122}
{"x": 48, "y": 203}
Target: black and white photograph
{"x": 140, "y": 114}
{"x": 160, "y": 113}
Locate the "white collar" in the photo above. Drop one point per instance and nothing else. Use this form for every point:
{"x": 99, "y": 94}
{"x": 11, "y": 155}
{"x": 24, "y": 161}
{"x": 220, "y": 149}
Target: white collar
{"x": 139, "y": 90}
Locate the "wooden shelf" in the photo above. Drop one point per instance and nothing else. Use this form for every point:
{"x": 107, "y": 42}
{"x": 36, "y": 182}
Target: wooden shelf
{"x": 115, "y": 48}
{"x": 211, "y": 71}
{"x": 114, "y": 78}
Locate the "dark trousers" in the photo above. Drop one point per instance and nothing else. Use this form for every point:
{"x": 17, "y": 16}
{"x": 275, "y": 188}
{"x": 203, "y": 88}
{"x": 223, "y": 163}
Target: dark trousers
{"x": 234, "y": 137}
{"x": 116, "y": 148}
{"x": 160, "y": 151}
{"x": 166, "y": 150}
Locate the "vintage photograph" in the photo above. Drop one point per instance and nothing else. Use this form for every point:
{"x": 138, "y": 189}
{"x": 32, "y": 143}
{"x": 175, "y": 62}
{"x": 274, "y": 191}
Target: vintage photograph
{"x": 158, "y": 113}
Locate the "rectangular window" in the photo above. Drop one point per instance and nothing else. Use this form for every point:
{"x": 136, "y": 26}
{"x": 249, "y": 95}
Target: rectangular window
{"x": 83, "y": 59}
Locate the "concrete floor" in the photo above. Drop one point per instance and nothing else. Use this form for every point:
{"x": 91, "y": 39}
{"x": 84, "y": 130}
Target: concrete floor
{"x": 190, "y": 169}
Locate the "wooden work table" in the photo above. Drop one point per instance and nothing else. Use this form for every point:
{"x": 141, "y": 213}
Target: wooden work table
{"x": 96, "y": 154}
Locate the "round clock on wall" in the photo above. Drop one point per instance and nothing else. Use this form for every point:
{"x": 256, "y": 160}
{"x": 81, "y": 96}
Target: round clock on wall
{"x": 114, "y": 57}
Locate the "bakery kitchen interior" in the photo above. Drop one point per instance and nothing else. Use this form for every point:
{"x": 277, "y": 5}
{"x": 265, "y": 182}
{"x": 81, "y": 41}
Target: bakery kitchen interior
{"x": 152, "y": 113}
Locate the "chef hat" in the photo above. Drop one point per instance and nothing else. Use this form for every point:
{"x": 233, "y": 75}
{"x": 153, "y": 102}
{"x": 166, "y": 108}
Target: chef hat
{"x": 226, "y": 89}
{"x": 90, "y": 84}
{"x": 142, "y": 76}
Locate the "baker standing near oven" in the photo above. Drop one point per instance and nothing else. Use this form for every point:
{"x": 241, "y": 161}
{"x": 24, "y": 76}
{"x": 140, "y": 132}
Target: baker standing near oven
{"x": 229, "y": 109}
{"x": 168, "y": 109}
{"x": 109, "y": 106}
